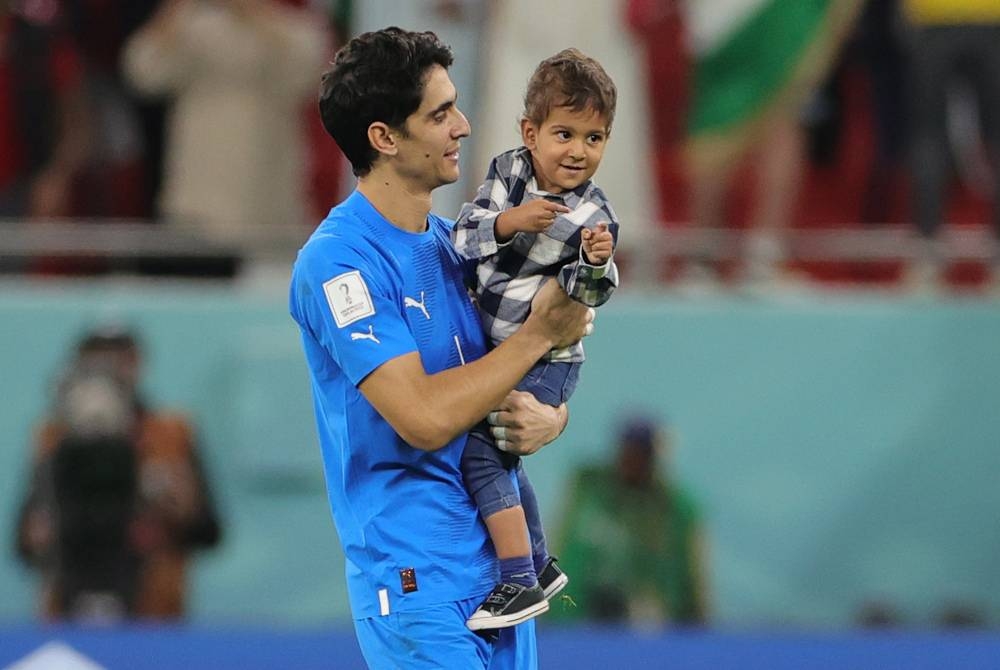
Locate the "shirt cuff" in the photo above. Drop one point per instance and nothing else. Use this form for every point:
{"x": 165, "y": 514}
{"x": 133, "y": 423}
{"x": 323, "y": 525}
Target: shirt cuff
{"x": 595, "y": 271}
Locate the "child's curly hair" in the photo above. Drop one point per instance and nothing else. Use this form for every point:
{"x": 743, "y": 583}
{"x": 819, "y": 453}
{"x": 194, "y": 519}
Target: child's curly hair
{"x": 569, "y": 79}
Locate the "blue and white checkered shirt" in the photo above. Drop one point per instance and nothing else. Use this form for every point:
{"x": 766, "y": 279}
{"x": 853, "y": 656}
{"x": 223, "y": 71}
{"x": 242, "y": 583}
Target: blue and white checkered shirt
{"x": 509, "y": 274}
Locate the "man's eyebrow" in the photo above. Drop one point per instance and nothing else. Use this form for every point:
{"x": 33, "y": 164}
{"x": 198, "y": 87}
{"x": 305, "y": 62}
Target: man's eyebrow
{"x": 443, "y": 107}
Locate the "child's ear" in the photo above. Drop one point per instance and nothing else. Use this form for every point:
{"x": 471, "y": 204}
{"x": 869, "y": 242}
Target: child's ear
{"x": 529, "y": 134}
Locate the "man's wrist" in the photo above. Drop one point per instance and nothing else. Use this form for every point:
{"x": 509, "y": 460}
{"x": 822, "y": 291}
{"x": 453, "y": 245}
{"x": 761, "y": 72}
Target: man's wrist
{"x": 532, "y": 336}
{"x": 562, "y": 414}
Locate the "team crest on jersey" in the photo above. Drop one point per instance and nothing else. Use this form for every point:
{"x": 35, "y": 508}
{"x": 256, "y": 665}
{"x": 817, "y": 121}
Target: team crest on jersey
{"x": 408, "y": 578}
{"x": 348, "y": 297}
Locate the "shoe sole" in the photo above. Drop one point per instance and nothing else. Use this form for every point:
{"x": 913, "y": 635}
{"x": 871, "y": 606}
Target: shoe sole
{"x": 507, "y": 620}
{"x": 557, "y": 585}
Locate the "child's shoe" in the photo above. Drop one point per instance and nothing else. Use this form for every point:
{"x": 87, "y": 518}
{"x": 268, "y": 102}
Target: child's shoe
{"x": 552, "y": 579}
{"x": 508, "y": 605}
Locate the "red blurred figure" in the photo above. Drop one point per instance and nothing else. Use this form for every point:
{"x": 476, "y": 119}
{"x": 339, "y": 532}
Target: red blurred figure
{"x": 44, "y": 133}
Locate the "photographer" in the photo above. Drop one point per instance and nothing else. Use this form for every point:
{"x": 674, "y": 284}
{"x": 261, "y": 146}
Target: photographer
{"x": 118, "y": 499}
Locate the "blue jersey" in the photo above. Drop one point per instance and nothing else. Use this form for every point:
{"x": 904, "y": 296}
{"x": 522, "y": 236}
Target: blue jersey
{"x": 364, "y": 292}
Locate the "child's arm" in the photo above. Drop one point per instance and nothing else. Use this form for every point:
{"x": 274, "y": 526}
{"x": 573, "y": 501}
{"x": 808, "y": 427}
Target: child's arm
{"x": 591, "y": 280}
{"x": 473, "y": 235}
{"x": 531, "y": 217}
{"x": 489, "y": 221}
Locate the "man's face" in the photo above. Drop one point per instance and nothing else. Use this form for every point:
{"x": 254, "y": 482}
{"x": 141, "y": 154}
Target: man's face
{"x": 636, "y": 463}
{"x": 566, "y": 148}
{"x": 124, "y": 361}
{"x": 428, "y": 154}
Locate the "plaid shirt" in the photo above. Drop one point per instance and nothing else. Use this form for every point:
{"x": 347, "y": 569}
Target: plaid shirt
{"x": 509, "y": 274}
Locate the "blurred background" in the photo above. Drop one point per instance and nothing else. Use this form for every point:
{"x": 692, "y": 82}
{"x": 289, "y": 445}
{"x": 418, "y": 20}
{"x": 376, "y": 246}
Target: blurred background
{"x": 785, "y": 451}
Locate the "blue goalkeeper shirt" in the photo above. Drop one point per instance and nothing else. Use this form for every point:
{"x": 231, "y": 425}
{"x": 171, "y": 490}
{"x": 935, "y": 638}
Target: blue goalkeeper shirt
{"x": 364, "y": 292}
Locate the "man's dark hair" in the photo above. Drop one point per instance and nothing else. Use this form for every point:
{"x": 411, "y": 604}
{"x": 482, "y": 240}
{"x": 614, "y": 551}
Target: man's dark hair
{"x": 377, "y": 76}
{"x": 569, "y": 79}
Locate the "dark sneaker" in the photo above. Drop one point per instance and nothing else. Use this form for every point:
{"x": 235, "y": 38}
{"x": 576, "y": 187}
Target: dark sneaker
{"x": 508, "y": 605}
{"x": 552, "y": 579}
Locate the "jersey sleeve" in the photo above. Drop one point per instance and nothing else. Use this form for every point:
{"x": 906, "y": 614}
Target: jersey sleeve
{"x": 348, "y": 306}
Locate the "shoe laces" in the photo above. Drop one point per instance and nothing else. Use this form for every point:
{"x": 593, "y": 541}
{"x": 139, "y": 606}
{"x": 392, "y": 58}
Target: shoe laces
{"x": 502, "y": 593}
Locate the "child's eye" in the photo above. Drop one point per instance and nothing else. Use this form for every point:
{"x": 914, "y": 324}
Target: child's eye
{"x": 562, "y": 134}
{"x": 596, "y": 138}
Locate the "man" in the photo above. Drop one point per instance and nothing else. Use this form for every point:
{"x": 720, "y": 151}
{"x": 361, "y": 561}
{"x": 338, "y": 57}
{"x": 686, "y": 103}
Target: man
{"x": 398, "y": 364}
{"x": 114, "y": 541}
{"x": 635, "y": 537}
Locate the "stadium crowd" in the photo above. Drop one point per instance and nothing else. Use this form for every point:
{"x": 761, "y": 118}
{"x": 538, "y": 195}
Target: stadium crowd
{"x": 883, "y": 116}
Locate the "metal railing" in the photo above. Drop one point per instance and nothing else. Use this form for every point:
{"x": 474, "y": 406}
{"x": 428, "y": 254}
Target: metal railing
{"x": 130, "y": 245}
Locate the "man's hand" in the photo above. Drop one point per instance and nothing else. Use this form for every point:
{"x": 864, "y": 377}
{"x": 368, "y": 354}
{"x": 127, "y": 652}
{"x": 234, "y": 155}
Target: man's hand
{"x": 597, "y": 244}
{"x": 531, "y": 217}
{"x": 522, "y": 425}
{"x": 562, "y": 320}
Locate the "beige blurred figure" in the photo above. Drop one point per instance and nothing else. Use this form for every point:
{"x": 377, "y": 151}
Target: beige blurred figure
{"x": 239, "y": 73}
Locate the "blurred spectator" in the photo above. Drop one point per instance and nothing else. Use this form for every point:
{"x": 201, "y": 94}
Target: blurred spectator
{"x": 879, "y": 47}
{"x": 879, "y": 614}
{"x": 962, "y": 615}
{"x": 118, "y": 497}
{"x": 328, "y": 167}
{"x": 459, "y": 24}
{"x": 123, "y": 173}
{"x": 44, "y": 132}
{"x": 238, "y": 73}
{"x": 753, "y": 75}
{"x": 633, "y": 542}
{"x": 753, "y": 67}
{"x": 874, "y": 60}
{"x": 953, "y": 42}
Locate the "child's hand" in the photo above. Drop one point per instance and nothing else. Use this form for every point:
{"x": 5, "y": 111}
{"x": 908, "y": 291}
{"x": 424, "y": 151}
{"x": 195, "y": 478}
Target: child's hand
{"x": 531, "y": 217}
{"x": 597, "y": 244}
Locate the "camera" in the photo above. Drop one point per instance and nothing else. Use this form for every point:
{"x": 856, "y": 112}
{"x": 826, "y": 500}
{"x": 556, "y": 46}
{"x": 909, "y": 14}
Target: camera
{"x": 95, "y": 487}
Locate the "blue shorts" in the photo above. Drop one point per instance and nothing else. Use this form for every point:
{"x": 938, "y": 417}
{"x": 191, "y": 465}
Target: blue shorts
{"x": 436, "y": 637}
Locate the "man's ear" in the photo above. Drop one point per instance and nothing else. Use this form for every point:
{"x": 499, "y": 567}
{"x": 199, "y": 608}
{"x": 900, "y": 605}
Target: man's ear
{"x": 382, "y": 138}
{"x": 529, "y": 134}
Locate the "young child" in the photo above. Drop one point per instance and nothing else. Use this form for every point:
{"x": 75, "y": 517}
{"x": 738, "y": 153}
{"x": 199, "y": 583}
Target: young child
{"x": 537, "y": 216}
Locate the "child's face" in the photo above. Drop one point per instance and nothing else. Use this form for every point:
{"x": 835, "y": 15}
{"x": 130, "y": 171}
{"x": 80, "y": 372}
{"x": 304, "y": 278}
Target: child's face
{"x": 567, "y": 148}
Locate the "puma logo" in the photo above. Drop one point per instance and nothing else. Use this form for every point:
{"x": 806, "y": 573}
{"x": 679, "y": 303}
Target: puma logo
{"x": 410, "y": 302}
{"x": 370, "y": 335}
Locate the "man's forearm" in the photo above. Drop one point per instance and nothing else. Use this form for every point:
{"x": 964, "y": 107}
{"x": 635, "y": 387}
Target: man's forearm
{"x": 429, "y": 411}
